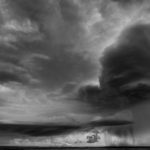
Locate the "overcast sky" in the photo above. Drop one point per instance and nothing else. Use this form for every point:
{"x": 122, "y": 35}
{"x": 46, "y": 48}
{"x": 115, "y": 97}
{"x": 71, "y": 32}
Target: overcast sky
{"x": 52, "y": 48}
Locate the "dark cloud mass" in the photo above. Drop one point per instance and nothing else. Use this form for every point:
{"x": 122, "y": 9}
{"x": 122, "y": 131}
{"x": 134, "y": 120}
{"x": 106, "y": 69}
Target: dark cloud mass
{"x": 124, "y": 80}
{"x": 126, "y": 64}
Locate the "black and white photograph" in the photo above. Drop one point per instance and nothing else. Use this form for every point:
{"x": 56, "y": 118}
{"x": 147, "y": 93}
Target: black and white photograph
{"x": 75, "y": 73}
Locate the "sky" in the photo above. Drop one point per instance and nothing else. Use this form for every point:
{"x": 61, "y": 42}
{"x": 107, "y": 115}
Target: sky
{"x": 73, "y": 61}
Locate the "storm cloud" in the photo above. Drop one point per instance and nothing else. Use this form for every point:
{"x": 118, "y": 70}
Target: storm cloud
{"x": 69, "y": 60}
{"x": 125, "y": 76}
{"x": 126, "y": 64}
